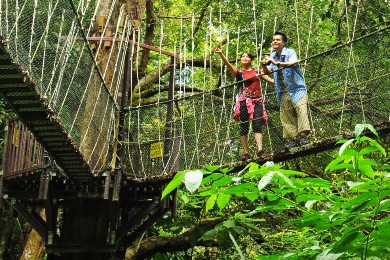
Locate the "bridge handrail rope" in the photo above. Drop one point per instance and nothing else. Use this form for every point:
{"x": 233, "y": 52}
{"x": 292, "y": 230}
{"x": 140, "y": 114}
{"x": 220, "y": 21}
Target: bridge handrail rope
{"x": 299, "y": 61}
{"x": 212, "y": 102}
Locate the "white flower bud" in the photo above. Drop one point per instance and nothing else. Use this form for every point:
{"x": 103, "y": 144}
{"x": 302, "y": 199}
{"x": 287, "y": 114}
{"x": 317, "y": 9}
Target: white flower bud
{"x": 192, "y": 180}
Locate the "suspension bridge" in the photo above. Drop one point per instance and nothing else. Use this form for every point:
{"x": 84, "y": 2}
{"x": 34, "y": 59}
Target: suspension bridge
{"x": 82, "y": 136}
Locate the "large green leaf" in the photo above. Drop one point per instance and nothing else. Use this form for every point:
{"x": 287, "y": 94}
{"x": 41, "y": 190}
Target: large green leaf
{"x": 368, "y": 149}
{"x": 211, "y": 202}
{"x": 223, "y": 200}
{"x": 211, "y": 177}
{"x": 209, "y": 235}
{"x": 176, "y": 181}
{"x": 222, "y": 181}
{"x": 360, "y": 199}
{"x": 375, "y": 143}
{"x": 349, "y": 242}
{"x": 306, "y": 197}
{"x": 229, "y": 223}
{"x": 252, "y": 196}
{"x": 239, "y": 189}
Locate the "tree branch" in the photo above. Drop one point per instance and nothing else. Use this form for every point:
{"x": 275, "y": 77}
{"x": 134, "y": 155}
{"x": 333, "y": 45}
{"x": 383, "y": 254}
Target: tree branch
{"x": 149, "y": 35}
{"x": 182, "y": 242}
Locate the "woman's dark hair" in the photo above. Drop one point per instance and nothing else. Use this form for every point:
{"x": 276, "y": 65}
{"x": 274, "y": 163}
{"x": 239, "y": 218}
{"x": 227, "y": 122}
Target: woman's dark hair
{"x": 284, "y": 37}
{"x": 250, "y": 55}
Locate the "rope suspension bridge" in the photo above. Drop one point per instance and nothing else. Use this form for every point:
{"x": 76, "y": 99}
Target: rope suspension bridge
{"x": 77, "y": 110}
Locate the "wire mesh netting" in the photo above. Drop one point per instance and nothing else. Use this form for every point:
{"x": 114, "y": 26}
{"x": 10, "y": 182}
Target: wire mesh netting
{"x": 346, "y": 86}
{"x": 46, "y": 40}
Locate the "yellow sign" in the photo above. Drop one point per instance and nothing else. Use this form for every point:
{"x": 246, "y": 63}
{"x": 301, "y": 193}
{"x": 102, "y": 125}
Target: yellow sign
{"x": 15, "y": 137}
{"x": 156, "y": 150}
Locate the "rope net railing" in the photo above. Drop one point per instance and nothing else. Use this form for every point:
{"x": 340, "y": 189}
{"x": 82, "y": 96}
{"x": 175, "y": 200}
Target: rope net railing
{"x": 46, "y": 40}
{"x": 346, "y": 85}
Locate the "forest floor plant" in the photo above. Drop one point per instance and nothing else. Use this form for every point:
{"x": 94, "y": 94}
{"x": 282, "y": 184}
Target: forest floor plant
{"x": 345, "y": 217}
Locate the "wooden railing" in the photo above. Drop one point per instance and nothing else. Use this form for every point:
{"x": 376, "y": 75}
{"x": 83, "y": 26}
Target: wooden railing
{"x": 21, "y": 153}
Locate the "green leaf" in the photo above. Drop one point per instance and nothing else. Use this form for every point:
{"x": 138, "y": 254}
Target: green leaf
{"x": 240, "y": 189}
{"x": 212, "y": 168}
{"x": 209, "y": 235}
{"x": 347, "y": 241}
{"x": 259, "y": 172}
{"x": 334, "y": 162}
{"x": 306, "y": 197}
{"x": 372, "y": 129}
{"x": 226, "y": 170}
{"x": 366, "y": 170}
{"x": 173, "y": 184}
{"x": 369, "y": 185}
{"x": 211, "y": 202}
{"x": 283, "y": 177}
{"x": 375, "y": 143}
{"x": 349, "y": 152}
{"x": 211, "y": 177}
{"x": 345, "y": 146}
{"x": 229, "y": 223}
{"x": 292, "y": 173}
{"x": 368, "y": 149}
{"x": 326, "y": 255}
{"x": 252, "y": 196}
{"x": 342, "y": 166}
{"x": 362, "y": 198}
{"x": 384, "y": 205}
{"x": 253, "y": 167}
{"x": 223, "y": 200}
{"x": 222, "y": 181}
{"x": 265, "y": 180}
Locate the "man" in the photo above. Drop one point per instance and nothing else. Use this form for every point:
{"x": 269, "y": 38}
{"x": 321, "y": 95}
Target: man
{"x": 291, "y": 91}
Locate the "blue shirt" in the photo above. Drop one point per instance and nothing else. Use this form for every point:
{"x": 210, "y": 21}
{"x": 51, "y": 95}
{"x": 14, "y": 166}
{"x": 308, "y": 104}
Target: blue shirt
{"x": 293, "y": 78}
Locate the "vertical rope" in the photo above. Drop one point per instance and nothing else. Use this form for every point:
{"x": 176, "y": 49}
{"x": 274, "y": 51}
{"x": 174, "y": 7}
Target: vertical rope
{"x": 129, "y": 117}
{"x": 308, "y": 40}
{"x": 159, "y": 114}
{"x": 32, "y": 31}
{"x": 265, "y": 89}
{"x": 255, "y": 25}
{"x": 138, "y": 110}
{"x": 297, "y": 25}
{"x": 304, "y": 68}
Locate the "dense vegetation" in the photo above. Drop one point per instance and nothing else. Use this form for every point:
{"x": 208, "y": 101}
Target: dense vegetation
{"x": 268, "y": 212}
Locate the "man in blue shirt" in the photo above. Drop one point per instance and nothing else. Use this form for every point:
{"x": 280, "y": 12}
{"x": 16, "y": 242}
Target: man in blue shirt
{"x": 291, "y": 91}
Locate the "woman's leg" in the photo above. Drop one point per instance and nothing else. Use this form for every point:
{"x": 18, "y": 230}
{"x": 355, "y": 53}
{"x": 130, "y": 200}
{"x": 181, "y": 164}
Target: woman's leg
{"x": 257, "y": 125}
{"x": 244, "y": 126}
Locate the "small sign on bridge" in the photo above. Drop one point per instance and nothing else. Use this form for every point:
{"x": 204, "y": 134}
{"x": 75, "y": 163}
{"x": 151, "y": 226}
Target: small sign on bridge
{"x": 156, "y": 150}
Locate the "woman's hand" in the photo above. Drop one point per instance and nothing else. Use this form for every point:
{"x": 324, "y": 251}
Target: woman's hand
{"x": 218, "y": 50}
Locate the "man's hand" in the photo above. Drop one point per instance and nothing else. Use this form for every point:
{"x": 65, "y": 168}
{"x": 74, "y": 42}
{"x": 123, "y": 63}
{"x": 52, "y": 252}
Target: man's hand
{"x": 268, "y": 61}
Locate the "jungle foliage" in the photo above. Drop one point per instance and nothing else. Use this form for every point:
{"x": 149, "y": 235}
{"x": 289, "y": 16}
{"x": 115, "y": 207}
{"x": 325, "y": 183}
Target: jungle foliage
{"x": 268, "y": 212}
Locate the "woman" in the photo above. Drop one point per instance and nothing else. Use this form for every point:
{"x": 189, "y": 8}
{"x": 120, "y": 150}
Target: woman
{"x": 249, "y": 104}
